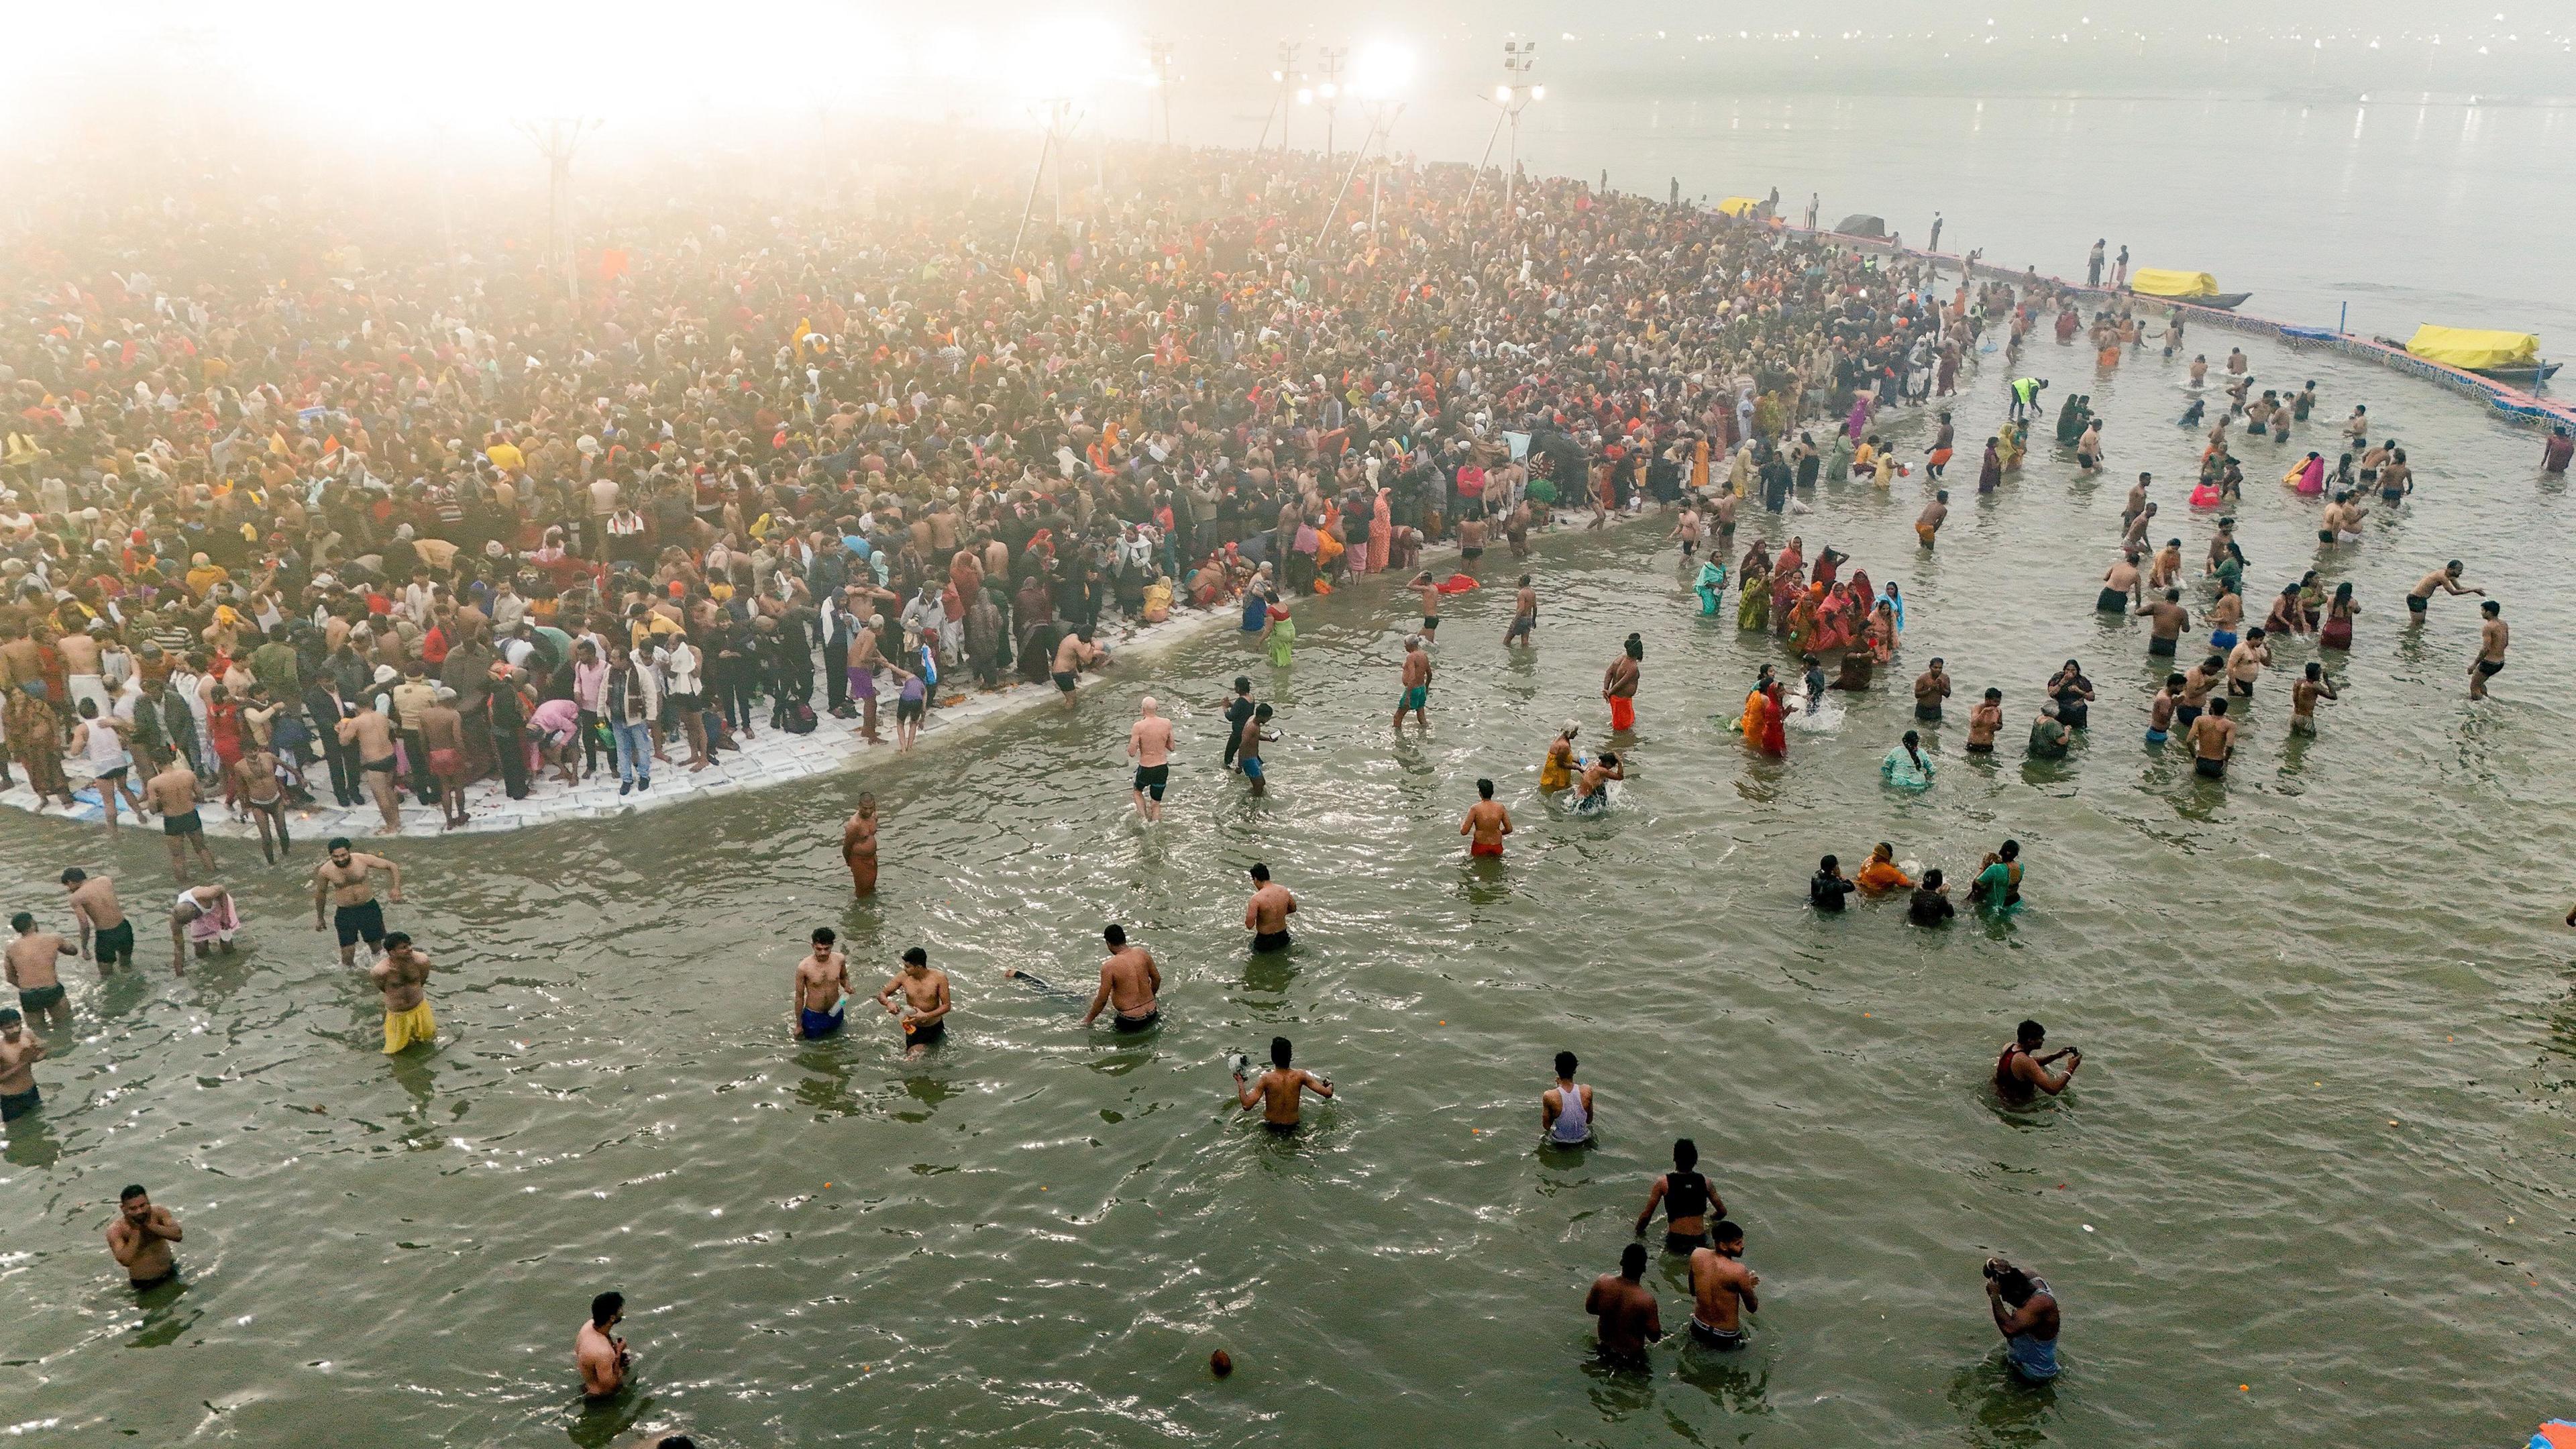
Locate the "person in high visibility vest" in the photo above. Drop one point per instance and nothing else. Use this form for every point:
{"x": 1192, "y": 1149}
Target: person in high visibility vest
{"x": 2025, "y": 395}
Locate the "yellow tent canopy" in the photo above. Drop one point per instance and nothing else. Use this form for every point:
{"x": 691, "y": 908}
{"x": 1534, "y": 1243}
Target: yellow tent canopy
{"x": 2156, "y": 282}
{"x": 2471, "y": 347}
{"x": 1738, "y": 205}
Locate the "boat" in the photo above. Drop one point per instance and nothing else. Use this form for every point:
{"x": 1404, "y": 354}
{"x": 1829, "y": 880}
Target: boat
{"x": 2509, "y": 357}
{"x": 2198, "y": 288}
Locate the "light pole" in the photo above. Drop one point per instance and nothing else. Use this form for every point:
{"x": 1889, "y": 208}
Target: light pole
{"x": 1331, "y": 57}
{"x": 1158, "y": 87}
{"x": 1285, "y": 73}
{"x": 1514, "y": 96}
{"x": 557, "y": 140}
{"x": 1060, "y": 121}
{"x": 1382, "y": 114}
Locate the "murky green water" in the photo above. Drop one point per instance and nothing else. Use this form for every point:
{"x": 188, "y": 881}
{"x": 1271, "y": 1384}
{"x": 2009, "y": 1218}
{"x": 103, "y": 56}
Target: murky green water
{"x": 2317, "y": 1149}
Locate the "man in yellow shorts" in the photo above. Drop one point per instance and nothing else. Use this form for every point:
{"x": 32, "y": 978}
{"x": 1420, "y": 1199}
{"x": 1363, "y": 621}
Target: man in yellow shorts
{"x": 402, "y": 974}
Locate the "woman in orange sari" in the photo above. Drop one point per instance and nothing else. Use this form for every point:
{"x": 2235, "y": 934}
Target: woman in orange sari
{"x": 1762, "y": 725}
{"x": 1381, "y": 531}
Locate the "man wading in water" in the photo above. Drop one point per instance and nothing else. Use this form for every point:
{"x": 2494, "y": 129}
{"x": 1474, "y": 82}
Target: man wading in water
{"x": 1128, "y": 981}
{"x": 2021, "y": 1073}
{"x": 1687, "y": 1199}
{"x": 1266, "y": 914}
{"x": 1277, "y": 1091}
{"x": 347, "y": 881}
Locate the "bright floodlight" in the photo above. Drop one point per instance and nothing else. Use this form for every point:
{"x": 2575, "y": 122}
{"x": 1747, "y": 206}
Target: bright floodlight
{"x": 1538, "y": 93}
{"x": 1382, "y": 69}
{"x": 1503, "y": 94}
{"x": 1305, "y": 95}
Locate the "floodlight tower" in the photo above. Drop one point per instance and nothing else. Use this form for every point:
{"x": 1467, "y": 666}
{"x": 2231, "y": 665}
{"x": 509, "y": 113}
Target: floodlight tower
{"x": 1158, "y": 86}
{"x": 1514, "y": 96}
{"x": 1331, "y": 58}
{"x": 558, "y": 140}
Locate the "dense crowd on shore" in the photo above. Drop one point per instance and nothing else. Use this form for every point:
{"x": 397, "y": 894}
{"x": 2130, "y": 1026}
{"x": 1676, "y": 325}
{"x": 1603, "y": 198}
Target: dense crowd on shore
{"x": 753, "y": 474}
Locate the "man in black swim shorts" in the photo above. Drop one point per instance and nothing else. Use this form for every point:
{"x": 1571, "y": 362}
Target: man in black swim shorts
{"x": 1266, "y": 914}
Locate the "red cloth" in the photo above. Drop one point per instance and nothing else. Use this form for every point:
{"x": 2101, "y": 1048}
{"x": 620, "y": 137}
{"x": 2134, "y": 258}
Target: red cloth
{"x": 1623, "y": 713}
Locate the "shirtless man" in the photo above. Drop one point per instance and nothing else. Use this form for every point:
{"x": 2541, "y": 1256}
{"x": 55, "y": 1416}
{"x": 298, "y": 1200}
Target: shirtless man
{"x": 1149, "y": 744}
{"x": 1073, "y": 654}
{"x": 1619, "y": 684}
{"x": 346, "y": 879}
{"x": 402, "y": 975}
{"x": 1266, "y": 914}
{"x": 1471, "y": 536}
{"x": 2304, "y": 696}
{"x": 368, "y": 734}
{"x": 924, "y": 1004}
{"x": 2245, "y": 664}
{"x": 1722, "y": 1289}
{"x": 20, "y": 1050}
{"x": 258, "y": 796}
{"x": 601, "y": 1357}
{"x": 207, "y": 903}
{"x": 859, "y": 847}
{"x": 1128, "y": 981}
{"x": 1247, "y": 748}
{"x": 2197, "y": 682}
{"x": 2167, "y": 568}
{"x": 2445, "y": 579}
{"x": 140, "y": 1238}
{"x": 173, "y": 793}
{"x": 822, "y": 981}
{"x": 30, "y": 961}
{"x": 2166, "y": 619}
{"x": 1278, "y": 1091}
{"x": 1927, "y": 524}
{"x": 1984, "y": 722}
{"x": 1524, "y": 625}
{"x": 2160, "y": 711}
{"x": 1687, "y": 529}
{"x": 2021, "y": 1073}
{"x": 2213, "y": 739}
{"x": 95, "y": 907}
{"x": 2341, "y": 521}
{"x": 1930, "y": 688}
{"x": 442, "y": 733}
{"x": 1625, "y": 1309}
{"x": 2119, "y": 586}
{"x": 1592, "y": 787}
{"x": 1430, "y": 592}
{"x": 1486, "y": 824}
{"x": 2493, "y": 636}
{"x": 1417, "y": 683}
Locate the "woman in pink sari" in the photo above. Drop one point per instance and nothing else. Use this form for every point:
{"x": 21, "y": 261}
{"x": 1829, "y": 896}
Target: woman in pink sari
{"x": 2312, "y": 476}
{"x": 1381, "y": 532}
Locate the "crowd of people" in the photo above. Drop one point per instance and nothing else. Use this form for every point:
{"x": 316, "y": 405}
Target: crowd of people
{"x": 361, "y": 530}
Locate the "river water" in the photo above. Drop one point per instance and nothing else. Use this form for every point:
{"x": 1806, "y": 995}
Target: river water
{"x": 2311, "y": 1187}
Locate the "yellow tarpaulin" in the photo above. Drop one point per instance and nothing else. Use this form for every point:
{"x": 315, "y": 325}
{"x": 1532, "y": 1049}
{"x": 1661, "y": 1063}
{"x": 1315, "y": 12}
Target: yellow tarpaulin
{"x": 1738, "y": 205}
{"x": 2156, "y": 282}
{"x": 2471, "y": 347}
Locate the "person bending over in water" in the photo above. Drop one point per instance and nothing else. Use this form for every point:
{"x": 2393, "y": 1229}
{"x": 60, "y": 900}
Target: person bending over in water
{"x": 2021, "y": 1073}
{"x": 1687, "y": 1199}
{"x": 1128, "y": 981}
{"x": 1278, "y": 1091}
{"x": 1722, "y": 1289}
{"x": 1565, "y": 1110}
{"x": 2026, "y": 1314}
{"x": 1592, "y": 792}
